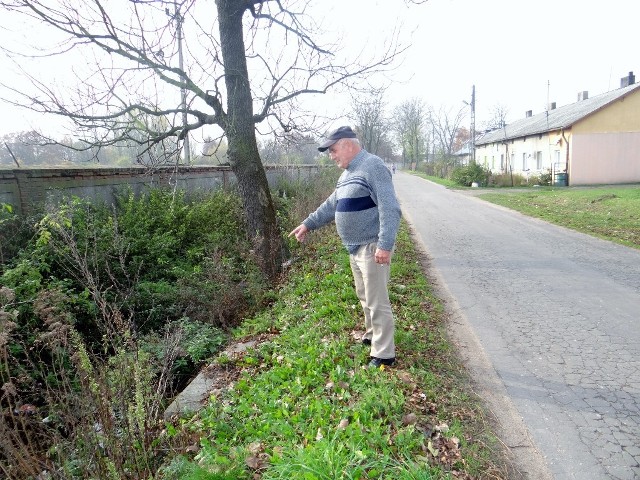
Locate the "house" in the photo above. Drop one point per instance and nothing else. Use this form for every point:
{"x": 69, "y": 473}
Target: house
{"x": 595, "y": 140}
{"x": 463, "y": 155}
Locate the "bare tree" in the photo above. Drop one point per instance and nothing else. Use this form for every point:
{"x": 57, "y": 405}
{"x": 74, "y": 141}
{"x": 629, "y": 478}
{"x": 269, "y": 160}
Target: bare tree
{"x": 445, "y": 123}
{"x": 291, "y": 149}
{"x": 248, "y": 66}
{"x": 410, "y": 121}
{"x": 372, "y": 126}
{"x": 462, "y": 139}
{"x": 498, "y": 118}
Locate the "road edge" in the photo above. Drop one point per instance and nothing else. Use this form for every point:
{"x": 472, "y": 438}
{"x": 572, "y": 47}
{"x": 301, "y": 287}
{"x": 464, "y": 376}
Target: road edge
{"x": 519, "y": 447}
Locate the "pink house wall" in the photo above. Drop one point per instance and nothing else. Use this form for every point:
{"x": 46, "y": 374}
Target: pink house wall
{"x": 600, "y": 158}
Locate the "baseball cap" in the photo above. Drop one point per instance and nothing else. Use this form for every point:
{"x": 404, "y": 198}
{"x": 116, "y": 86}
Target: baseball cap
{"x": 342, "y": 132}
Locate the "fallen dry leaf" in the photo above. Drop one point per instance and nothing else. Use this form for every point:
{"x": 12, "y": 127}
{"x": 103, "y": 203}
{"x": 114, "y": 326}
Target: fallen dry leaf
{"x": 257, "y": 462}
{"x": 253, "y": 462}
{"x": 409, "y": 419}
{"x": 406, "y": 377}
{"x": 443, "y": 427}
{"x": 433, "y": 451}
{"x": 255, "y": 448}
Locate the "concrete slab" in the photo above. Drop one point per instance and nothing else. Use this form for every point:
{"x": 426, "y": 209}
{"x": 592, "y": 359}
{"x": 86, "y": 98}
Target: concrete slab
{"x": 212, "y": 379}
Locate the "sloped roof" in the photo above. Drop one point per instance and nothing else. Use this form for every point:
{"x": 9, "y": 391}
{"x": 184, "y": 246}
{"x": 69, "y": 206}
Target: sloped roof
{"x": 464, "y": 150}
{"x": 555, "y": 119}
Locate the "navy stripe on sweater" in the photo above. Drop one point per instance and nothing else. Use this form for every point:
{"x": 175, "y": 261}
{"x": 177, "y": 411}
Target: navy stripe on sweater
{"x": 354, "y": 204}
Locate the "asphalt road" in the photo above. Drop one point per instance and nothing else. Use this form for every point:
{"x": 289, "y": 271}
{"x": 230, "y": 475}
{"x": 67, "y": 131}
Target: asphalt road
{"x": 548, "y": 321}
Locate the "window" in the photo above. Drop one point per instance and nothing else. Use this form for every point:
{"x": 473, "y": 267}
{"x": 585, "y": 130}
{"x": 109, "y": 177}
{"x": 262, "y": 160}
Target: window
{"x": 524, "y": 162}
{"x": 557, "y": 157}
{"x": 502, "y": 161}
{"x": 538, "y": 160}
{"x": 513, "y": 161}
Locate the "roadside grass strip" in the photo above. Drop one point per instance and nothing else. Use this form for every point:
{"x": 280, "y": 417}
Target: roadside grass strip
{"x": 304, "y": 405}
{"x": 608, "y": 212}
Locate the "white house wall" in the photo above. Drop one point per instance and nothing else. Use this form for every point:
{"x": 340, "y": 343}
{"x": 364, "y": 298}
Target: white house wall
{"x": 529, "y": 156}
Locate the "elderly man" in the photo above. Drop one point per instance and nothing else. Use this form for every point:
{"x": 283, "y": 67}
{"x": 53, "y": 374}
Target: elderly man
{"x": 367, "y": 215}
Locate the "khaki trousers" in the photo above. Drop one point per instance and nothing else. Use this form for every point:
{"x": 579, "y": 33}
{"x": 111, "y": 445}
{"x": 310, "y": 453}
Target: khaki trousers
{"x": 371, "y": 282}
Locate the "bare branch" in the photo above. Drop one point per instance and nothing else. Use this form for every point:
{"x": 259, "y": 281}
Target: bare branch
{"x": 295, "y": 27}
{"x": 446, "y": 125}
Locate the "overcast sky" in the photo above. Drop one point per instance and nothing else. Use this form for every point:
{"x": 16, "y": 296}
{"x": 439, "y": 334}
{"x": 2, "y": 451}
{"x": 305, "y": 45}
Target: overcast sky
{"x": 520, "y": 54}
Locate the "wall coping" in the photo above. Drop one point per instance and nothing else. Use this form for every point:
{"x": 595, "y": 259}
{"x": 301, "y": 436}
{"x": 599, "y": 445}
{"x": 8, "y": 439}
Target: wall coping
{"x": 138, "y": 170}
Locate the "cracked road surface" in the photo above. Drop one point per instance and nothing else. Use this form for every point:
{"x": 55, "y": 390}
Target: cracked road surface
{"x": 548, "y": 321}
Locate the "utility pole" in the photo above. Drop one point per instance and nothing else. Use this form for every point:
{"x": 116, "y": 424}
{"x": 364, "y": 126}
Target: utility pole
{"x": 472, "y": 140}
{"x": 183, "y": 91}
{"x": 472, "y": 133}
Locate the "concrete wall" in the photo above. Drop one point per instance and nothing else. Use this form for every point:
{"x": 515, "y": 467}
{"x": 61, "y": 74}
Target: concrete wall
{"x": 29, "y": 189}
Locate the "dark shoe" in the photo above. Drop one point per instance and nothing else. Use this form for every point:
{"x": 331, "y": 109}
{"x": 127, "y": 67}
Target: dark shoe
{"x": 379, "y": 362}
{"x": 366, "y": 342}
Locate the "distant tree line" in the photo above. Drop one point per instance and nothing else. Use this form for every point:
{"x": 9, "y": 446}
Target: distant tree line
{"x": 27, "y": 149}
{"x": 411, "y": 132}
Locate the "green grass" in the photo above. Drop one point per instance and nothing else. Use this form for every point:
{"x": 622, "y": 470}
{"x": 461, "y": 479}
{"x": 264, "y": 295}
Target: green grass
{"x": 441, "y": 181}
{"x": 612, "y": 213}
{"x": 304, "y": 405}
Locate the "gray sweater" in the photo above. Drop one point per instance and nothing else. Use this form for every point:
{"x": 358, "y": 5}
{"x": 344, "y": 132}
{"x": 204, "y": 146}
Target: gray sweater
{"x": 363, "y": 205}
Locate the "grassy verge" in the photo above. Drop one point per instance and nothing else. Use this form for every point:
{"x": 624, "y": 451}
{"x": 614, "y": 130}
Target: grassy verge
{"x": 442, "y": 181}
{"x": 304, "y": 406}
{"x": 612, "y": 213}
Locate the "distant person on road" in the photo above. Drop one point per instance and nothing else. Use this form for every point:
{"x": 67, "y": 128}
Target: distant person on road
{"x": 393, "y": 167}
{"x": 367, "y": 216}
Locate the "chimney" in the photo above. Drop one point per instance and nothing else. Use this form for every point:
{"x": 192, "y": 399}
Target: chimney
{"x": 552, "y": 106}
{"x": 528, "y": 113}
{"x": 628, "y": 80}
{"x": 583, "y": 95}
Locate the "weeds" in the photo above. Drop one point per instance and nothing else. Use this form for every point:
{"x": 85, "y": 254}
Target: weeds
{"x": 95, "y": 330}
{"x": 94, "y": 327}
{"x": 95, "y": 413}
{"x": 305, "y": 405}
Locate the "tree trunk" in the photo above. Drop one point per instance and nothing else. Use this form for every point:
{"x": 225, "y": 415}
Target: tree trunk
{"x": 244, "y": 158}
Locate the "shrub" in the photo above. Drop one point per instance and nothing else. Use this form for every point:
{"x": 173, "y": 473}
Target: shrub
{"x": 169, "y": 233}
{"x": 6, "y": 217}
{"x": 505, "y": 180}
{"x": 545, "y": 178}
{"x": 98, "y": 412}
{"x": 84, "y": 289}
{"x": 182, "y": 346}
{"x": 104, "y": 311}
{"x": 297, "y": 199}
{"x": 469, "y": 174}
{"x": 15, "y": 232}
